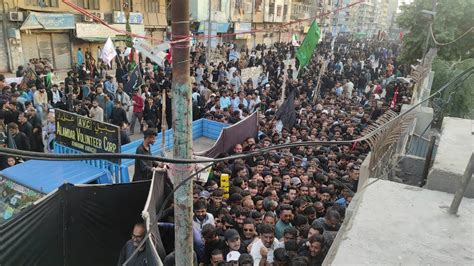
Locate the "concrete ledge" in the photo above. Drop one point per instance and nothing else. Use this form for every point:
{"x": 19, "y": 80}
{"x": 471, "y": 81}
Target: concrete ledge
{"x": 454, "y": 150}
{"x": 395, "y": 224}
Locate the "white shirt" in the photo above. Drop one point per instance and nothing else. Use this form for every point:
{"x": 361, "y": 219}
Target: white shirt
{"x": 209, "y": 219}
{"x": 255, "y": 252}
{"x": 56, "y": 96}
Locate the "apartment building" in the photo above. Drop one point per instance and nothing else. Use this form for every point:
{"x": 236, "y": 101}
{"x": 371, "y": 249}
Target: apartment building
{"x": 53, "y": 30}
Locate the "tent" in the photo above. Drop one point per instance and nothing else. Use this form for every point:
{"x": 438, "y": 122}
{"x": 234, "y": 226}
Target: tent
{"x": 76, "y": 225}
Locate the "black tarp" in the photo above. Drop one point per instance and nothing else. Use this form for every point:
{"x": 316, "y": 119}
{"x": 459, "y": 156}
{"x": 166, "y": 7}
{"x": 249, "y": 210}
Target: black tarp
{"x": 230, "y": 136}
{"x": 76, "y": 225}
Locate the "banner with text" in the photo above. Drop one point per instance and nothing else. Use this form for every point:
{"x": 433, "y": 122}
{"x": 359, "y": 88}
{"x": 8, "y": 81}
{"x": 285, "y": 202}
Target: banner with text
{"x": 85, "y": 134}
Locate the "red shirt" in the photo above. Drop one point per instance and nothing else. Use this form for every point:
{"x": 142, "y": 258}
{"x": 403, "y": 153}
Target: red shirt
{"x": 138, "y": 105}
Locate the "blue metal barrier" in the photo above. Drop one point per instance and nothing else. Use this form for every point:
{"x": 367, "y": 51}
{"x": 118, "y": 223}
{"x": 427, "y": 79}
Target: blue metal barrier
{"x": 201, "y": 128}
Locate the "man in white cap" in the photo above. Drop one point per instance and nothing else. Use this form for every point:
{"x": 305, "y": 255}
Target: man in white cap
{"x": 233, "y": 257}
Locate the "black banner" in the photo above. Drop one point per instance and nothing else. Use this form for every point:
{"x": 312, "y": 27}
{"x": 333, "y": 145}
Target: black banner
{"x": 76, "y": 225}
{"x": 87, "y": 135}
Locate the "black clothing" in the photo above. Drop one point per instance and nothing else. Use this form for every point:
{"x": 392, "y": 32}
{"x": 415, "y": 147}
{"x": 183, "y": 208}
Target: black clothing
{"x": 124, "y": 138}
{"x": 313, "y": 260}
{"x": 208, "y": 248}
{"x": 27, "y": 128}
{"x": 118, "y": 116}
{"x": 139, "y": 259}
{"x": 152, "y": 114}
{"x": 8, "y": 115}
{"x": 22, "y": 142}
{"x": 143, "y": 168}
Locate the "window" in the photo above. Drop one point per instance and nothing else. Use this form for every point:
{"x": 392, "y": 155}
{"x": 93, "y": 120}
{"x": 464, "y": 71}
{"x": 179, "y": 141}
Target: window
{"x": 117, "y": 5}
{"x": 42, "y": 3}
{"x": 152, "y": 6}
{"x": 89, "y": 4}
{"x": 285, "y": 10}
{"x": 271, "y": 8}
{"x": 258, "y": 5}
{"x": 278, "y": 11}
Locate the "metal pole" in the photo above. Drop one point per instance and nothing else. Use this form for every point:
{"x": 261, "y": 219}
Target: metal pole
{"x": 164, "y": 125}
{"x": 466, "y": 179}
{"x": 209, "y": 32}
{"x": 318, "y": 85}
{"x": 254, "y": 38}
{"x": 429, "y": 155}
{"x": 182, "y": 134}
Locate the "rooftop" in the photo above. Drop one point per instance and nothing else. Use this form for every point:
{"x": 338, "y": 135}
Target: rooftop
{"x": 396, "y": 224}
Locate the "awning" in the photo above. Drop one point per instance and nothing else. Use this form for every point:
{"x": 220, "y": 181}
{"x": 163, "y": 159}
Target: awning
{"x": 49, "y": 21}
{"x": 94, "y": 32}
{"x": 103, "y": 39}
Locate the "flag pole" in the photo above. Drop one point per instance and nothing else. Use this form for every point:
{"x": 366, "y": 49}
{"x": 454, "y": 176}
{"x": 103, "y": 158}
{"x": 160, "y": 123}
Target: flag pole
{"x": 163, "y": 120}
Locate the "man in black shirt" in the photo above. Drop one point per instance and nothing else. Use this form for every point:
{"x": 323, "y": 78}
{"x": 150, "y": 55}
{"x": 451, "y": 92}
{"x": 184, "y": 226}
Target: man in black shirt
{"x": 144, "y": 168}
{"x": 118, "y": 115}
{"x": 21, "y": 140}
{"x": 212, "y": 241}
{"x": 25, "y": 126}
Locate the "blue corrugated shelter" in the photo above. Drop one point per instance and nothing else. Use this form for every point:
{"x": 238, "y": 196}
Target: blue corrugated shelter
{"x": 46, "y": 176}
{"x": 201, "y": 128}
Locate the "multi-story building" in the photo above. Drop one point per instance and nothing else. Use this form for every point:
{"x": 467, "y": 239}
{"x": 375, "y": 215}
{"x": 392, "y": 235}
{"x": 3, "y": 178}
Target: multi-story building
{"x": 366, "y": 19}
{"x": 53, "y": 30}
{"x": 240, "y": 16}
{"x": 392, "y": 12}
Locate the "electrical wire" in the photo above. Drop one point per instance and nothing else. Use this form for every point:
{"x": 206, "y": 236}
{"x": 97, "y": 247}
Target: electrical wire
{"x": 188, "y": 38}
{"x": 114, "y": 156}
{"x": 162, "y": 208}
{"x": 451, "y": 42}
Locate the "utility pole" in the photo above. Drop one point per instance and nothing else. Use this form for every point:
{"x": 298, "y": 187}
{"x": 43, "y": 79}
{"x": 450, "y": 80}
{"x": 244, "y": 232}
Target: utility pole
{"x": 209, "y": 32}
{"x": 254, "y": 37}
{"x": 182, "y": 134}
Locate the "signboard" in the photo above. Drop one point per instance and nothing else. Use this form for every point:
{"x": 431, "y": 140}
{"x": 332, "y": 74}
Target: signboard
{"x": 251, "y": 73}
{"x": 92, "y": 30}
{"x": 85, "y": 134}
{"x": 225, "y": 184}
{"x": 135, "y": 18}
{"x": 49, "y": 21}
{"x": 242, "y": 27}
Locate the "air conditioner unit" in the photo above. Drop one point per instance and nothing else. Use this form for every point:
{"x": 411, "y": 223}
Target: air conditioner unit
{"x": 99, "y": 15}
{"x": 15, "y": 16}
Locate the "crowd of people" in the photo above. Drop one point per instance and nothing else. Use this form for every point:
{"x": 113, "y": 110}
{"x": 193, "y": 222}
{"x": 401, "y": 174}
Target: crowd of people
{"x": 286, "y": 207}
{"x": 283, "y": 208}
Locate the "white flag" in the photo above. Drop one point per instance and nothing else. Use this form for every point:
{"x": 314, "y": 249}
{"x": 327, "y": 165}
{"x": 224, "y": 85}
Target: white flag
{"x": 127, "y": 52}
{"x": 108, "y": 52}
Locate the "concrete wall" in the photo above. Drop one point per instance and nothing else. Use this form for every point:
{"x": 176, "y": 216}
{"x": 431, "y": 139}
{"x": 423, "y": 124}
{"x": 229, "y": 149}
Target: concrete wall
{"x": 456, "y": 145}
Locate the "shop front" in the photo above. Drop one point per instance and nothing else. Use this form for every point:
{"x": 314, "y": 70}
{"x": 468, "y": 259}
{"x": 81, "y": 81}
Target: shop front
{"x": 48, "y": 36}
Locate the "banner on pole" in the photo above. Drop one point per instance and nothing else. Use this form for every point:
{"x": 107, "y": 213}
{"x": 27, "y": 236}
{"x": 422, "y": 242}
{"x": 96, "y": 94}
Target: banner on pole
{"x": 306, "y": 49}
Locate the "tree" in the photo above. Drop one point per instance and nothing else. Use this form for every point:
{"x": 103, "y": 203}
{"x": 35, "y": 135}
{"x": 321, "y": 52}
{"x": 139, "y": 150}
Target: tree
{"x": 458, "y": 100}
{"x": 452, "y": 19}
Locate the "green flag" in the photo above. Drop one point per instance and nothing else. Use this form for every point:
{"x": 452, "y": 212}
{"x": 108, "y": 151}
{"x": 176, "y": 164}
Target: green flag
{"x": 306, "y": 49}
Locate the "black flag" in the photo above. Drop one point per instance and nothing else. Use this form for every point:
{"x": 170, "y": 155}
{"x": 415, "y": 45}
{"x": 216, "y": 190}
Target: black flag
{"x": 286, "y": 113}
{"x": 134, "y": 81}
